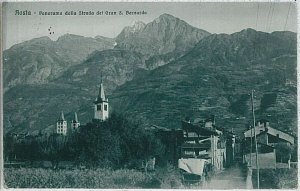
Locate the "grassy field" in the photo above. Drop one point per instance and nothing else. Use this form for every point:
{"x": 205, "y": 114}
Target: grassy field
{"x": 276, "y": 178}
{"x": 88, "y": 178}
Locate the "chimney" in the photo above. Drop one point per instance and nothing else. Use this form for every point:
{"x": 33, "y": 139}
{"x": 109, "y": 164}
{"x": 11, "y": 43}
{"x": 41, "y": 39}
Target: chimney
{"x": 187, "y": 119}
{"x": 209, "y": 124}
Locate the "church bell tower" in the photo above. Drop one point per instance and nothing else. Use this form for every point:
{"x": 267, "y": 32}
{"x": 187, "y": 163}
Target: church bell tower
{"x": 101, "y": 105}
{"x": 75, "y": 123}
{"x": 61, "y": 125}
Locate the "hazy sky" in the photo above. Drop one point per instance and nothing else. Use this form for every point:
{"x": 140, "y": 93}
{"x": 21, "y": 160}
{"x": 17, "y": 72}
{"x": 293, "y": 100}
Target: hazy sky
{"x": 213, "y": 17}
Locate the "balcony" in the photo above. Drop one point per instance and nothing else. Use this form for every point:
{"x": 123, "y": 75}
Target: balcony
{"x": 196, "y": 145}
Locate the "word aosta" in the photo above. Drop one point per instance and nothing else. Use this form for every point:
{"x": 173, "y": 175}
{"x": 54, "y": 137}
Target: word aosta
{"x": 28, "y": 12}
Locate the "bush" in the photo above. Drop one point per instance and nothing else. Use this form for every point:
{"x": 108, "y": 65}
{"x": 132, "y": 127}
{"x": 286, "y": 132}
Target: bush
{"x": 169, "y": 177}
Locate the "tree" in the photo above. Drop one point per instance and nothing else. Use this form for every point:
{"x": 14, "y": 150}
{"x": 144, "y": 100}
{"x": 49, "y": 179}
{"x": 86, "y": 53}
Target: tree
{"x": 117, "y": 142}
{"x": 283, "y": 152}
{"x": 54, "y": 148}
{"x": 9, "y": 143}
{"x": 98, "y": 146}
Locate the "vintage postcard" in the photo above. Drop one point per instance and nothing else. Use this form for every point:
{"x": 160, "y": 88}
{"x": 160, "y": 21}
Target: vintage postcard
{"x": 139, "y": 95}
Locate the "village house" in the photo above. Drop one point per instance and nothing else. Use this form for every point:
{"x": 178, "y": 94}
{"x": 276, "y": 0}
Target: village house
{"x": 204, "y": 149}
{"x": 267, "y": 139}
{"x": 171, "y": 139}
{"x": 204, "y": 141}
{"x": 269, "y": 135}
{"x": 266, "y": 155}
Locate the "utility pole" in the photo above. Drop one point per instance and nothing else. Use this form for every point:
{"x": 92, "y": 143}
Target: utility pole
{"x": 255, "y": 140}
{"x": 251, "y": 130}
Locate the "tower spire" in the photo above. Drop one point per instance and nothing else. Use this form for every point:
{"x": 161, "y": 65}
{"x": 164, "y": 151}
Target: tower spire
{"x": 101, "y": 104}
{"x": 101, "y": 94}
{"x": 75, "y": 117}
{"x": 61, "y": 117}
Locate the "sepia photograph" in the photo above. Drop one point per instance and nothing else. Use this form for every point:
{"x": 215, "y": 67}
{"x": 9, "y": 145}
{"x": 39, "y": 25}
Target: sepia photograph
{"x": 149, "y": 95}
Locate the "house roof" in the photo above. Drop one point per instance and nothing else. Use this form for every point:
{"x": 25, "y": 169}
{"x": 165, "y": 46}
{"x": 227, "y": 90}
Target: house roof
{"x": 272, "y": 131}
{"x": 160, "y": 128}
{"x": 198, "y": 129}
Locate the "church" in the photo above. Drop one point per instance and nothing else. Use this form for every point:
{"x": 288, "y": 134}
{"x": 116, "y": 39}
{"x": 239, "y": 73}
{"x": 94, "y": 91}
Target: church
{"x": 100, "y": 114}
{"x": 101, "y": 105}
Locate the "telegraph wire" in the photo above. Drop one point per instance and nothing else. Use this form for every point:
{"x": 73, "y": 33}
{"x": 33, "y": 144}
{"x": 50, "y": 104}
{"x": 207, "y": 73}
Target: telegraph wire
{"x": 257, "y": 17}
{"x": 268, "y": 17}
{"x": 253, "y": 113}
{"x": 272, "y": 13}
{"x": 287, "y": 16}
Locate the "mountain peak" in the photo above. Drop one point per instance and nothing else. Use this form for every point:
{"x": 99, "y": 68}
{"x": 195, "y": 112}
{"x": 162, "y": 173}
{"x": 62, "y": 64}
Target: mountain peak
{"x": 165, "y": 34}
{"x": 137, "y": 26}
{"x": 68, "y": 36}
{"x": 40, "y": 39}
{"x": 248, "y": 31}
{"x": 165, "y": 17}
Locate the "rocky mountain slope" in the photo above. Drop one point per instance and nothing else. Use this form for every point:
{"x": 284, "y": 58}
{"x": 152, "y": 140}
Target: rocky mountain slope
{"x": 216, "y": 78}
{"x": 114, "y": 67}
{"x": 41, "y": 60}
{"x": 160, "y": 41}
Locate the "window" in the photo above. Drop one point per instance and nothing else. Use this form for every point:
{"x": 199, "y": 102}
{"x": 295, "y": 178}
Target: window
{"x": 105, "y": 107}
{"x": 98, "y": 107}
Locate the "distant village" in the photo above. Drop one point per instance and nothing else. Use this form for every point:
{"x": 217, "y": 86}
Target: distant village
{"x": 200, "y": 147}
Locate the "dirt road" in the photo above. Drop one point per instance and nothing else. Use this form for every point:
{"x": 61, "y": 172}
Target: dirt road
{"x": 230, "y": 178}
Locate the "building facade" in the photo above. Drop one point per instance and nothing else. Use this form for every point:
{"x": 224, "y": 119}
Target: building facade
{"x": 268, "y": 138}
{"x": 61, "y": 125}
{"x": 204, "y": 142}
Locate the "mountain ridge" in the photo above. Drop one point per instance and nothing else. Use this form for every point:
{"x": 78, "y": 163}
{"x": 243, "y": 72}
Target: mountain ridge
{"x": 215, "y": 77}
{"x": 211, "y": 75}
{"x": 46, "y": 59}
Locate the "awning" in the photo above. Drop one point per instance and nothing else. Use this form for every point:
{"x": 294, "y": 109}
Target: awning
{"x": 192, "y": 165}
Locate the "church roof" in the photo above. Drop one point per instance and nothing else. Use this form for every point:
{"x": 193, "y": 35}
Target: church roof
{"x": 75, "y": 117}
{"x": 61, "y": 116}
{"x": 101, "y": 94}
